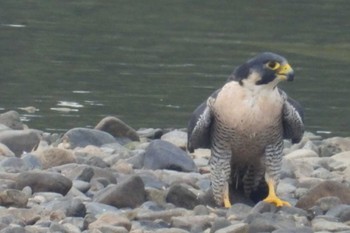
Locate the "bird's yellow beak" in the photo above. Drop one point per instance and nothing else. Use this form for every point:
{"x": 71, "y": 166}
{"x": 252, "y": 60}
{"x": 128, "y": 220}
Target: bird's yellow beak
{"x": 285, "y": 72}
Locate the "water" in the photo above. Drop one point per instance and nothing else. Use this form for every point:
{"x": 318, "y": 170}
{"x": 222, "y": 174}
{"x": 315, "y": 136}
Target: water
{"x": 152, "y": 63}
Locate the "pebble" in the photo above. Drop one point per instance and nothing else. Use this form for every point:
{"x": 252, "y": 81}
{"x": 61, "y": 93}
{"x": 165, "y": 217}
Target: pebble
{"x": 115, "y": 179}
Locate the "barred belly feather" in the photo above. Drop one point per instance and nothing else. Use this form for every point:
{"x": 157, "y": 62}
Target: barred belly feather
{"x": 246, "y": 124}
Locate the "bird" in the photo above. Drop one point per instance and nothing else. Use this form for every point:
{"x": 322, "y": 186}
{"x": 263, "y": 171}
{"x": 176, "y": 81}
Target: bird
{"x": 244, "y": 124}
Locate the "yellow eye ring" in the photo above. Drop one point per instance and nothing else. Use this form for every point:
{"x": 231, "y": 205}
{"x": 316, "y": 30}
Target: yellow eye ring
{"x": 273, "y": 65}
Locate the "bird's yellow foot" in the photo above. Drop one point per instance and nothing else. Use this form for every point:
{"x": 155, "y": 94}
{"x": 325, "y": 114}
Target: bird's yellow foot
{"x": 272, "y": 197}
{"x": 276, "y": 201}
{"x": 226, "y": 196}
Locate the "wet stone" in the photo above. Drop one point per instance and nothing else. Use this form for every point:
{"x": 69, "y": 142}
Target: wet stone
{"x": 129, "y": 193}
{"x": 13, "y": 198}
{"x": 164, "y": 155}
{"x": 41, "y": 181}
{"x": 117, "y": 128}
{"x": 181, "y": 196}
{"x": 82, "y": 137}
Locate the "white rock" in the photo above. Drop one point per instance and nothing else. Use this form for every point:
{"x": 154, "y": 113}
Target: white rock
{"x": 201, "y": 153}
{"x": 301, "y": 153}
{"x": 236, "y": 228}
{"x": 340, "y": 161}
{"x": 298, "y": 167}
{"x": 285, "y": 188}
{"x": 319, "y": 224}
{"x": 176, "y": 137}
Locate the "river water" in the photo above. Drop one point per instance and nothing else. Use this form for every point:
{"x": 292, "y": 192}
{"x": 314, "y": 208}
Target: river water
{"x": 152, "y": 62}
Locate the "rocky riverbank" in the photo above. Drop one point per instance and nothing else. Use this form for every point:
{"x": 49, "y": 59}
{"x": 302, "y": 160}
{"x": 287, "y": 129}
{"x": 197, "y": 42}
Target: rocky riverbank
{"x": 115, "y": 179}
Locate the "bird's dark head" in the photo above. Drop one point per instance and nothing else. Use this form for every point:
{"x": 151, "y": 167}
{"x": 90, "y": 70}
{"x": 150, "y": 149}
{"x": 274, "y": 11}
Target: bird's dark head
{"x": 264, "y": 69}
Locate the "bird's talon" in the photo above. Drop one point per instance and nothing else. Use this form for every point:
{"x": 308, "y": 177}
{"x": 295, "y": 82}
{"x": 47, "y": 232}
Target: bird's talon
{"x": 226, "y": 196}
{"x": 276, "y": 201}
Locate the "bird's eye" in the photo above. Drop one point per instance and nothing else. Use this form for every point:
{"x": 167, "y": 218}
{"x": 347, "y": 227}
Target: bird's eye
{"x": 273, "y": 65}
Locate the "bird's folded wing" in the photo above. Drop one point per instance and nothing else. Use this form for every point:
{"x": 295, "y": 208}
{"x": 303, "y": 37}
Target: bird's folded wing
{"x": 199, "y": 126}
{"x": 293, "y": 120}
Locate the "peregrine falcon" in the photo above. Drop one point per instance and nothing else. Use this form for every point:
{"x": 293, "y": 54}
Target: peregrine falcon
{"x": 244, "y": 124}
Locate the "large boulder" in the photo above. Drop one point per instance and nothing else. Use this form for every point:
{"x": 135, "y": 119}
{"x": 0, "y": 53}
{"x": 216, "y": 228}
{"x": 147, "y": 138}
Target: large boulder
{"x": 117, "y": 128}
{"x": 41, "y": 181}
{"x": 19, "y": 141}
{"x": 11, "y": 119}
{"x": 82, "y": 137}
{"x": 165, "y": 155}
{"x": 129, "y": 193}
{"x": 324, "y": 189}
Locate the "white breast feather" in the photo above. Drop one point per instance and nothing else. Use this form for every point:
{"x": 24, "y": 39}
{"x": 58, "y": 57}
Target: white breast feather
{"x": 248, "y": 110}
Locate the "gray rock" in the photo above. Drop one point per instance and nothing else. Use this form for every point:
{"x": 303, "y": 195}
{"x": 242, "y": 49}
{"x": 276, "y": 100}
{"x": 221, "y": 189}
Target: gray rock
{"x": 236, "y": 228}
{"x": 150, "y": 133}
{"x": 75, "y": 221}
{"x": 117, "y": 128}
{"x": 13, "y": 165}
{"x": 176, "y": 137}
{"x": 295, "y": 230}
{"x": 181, "y": 196}
{"x": 291, "y": 210}
{"x": 13, "y": 229}
{"x": 109, "y": 229}
{"x": 95, "y": 208}
{"x": 301, "y": 153}
{"x": 71, "y": 207}
{"x": 86, "y": 174}
{"x": 324, "y": 189}
{"x": 238, "y": 211}
{"x": 20, "y": 141}
{"x": 340, "y": 161}
{"x": 13, "y": 198}
{"x": 41, "y": 181}
{"x": 82, "y": 137}
{"x": 5, "y": 151}
{"x": 117, "y": 150}
{"x": 36, "y": 229}
{"x": 156, "y": 195}
{"x": 268, "y": 222}
{"x": 31, "y": 161}
{"x": 129, "y": 193}
{"x": 321, "y": 224}
{"x": 20, "y": 216}
{"x": 164, "y": 155}
{"x": 91, "y": 160}
{"x": 113, "y": 219}
{"x": 187, "y": 222}
{"x": 63, "y": 228}
{"x": 219, "y": 223}
{"x": 341, "y": 212}
{"x": 326, "y": 203}
{"x": 151, "y": 180}
{"x": 201, "y": 210}
{"x": 331, "y": 146}
{"x": 171, "y": 230}
{"x": 74, "y": 171}
{"x": 165, "y": 215}
{"x": 81, "y": 185}
{"x": 11, "y": 119}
